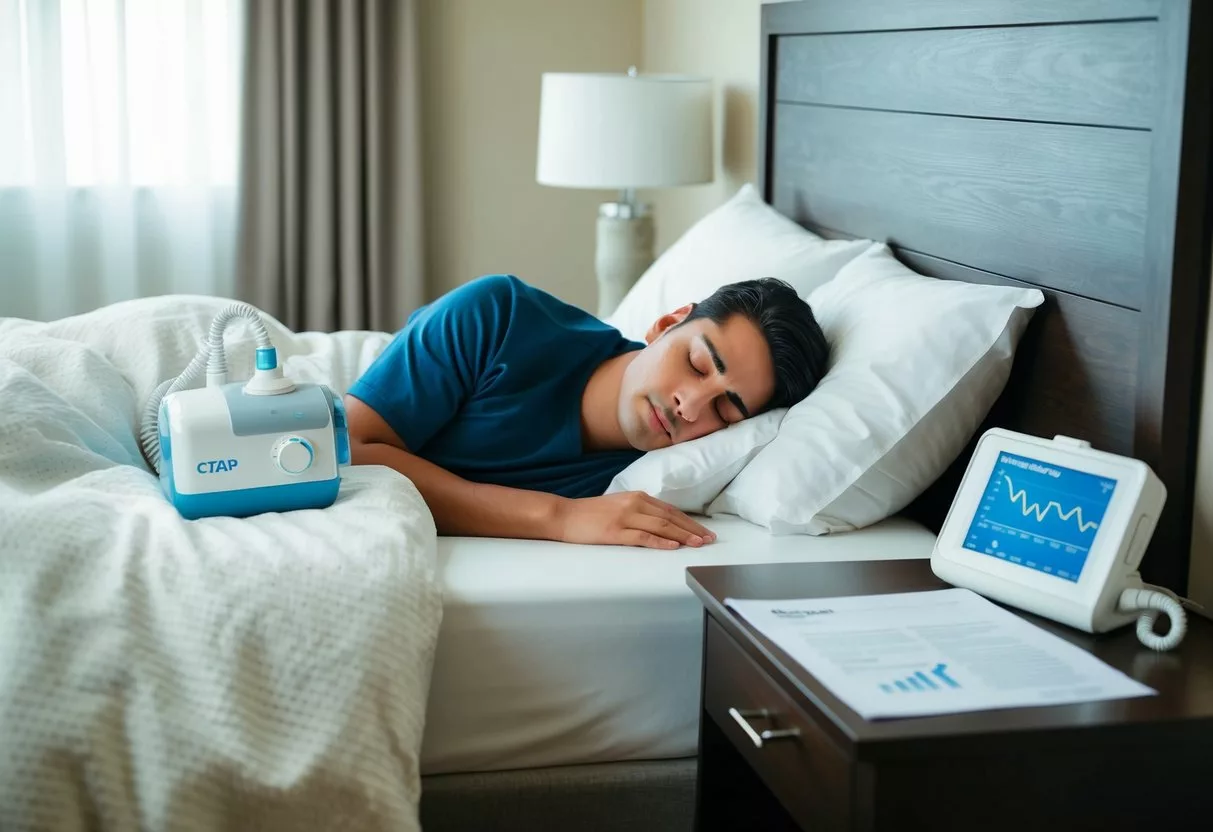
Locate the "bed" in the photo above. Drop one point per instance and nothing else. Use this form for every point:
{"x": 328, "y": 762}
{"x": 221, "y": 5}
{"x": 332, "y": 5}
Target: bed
{"x": 555, "y": 655}
{"x": 1061, "y": 145}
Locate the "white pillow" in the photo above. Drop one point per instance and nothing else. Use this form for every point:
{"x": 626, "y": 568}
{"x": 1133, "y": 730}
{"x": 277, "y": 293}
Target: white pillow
{"x": 916, "y": 363}
{"x": 691, "y": 474}
{"x": 743, "y": 239}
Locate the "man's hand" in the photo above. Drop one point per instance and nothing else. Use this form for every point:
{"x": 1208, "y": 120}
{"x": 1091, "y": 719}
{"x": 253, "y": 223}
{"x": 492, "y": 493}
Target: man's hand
{"x": 631, "y": 518}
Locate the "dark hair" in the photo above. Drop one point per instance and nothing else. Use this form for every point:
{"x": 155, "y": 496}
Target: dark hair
{"x": 799, "y": 350}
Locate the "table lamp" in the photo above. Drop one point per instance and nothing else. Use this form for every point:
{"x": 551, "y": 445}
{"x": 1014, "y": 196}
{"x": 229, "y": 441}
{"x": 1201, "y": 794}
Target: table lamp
{"x": 623, "y": 132}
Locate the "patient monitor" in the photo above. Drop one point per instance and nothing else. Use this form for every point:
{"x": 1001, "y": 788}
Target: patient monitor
{"x": 1057, "y": 528}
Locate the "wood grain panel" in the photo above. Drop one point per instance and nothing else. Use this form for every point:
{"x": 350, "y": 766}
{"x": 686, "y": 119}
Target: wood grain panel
{"x": 1058, "y": 206}
{"x": 878, "y": 15}
{"x": 1090, "y": 213}
{"x": 1075, "y": 371}
{"x": 1088, "y": 74}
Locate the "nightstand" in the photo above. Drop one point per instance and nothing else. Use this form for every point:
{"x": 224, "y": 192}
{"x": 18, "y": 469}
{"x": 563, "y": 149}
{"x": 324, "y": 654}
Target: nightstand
{"x": 1129, "y": 763}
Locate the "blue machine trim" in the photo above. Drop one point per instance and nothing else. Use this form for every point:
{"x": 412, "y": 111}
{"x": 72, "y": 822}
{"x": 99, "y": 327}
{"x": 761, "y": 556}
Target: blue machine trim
{"x": 166, "y": 442}
{"x": 267, "y": 358}
{"x": 245, "y": 502}
{"x": 341, "y": 427}
{"x": 166, "y": 455}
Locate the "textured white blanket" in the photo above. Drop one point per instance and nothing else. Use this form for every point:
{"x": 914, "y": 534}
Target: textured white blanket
{"x": 268, "y": 673}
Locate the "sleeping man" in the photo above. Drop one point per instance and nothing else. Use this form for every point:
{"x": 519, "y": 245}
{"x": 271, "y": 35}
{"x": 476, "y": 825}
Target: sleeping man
{"x": 512, "y": 411}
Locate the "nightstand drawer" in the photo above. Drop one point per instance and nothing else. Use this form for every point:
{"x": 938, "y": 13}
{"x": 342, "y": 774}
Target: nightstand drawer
{"x": 809, "y": 775}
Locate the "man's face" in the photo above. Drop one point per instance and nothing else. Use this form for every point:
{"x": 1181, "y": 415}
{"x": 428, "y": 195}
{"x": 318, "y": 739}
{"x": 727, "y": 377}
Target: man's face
{"x": 693, "y": 380}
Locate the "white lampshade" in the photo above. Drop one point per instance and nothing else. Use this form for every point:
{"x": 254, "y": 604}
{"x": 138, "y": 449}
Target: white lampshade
{"x": 624, "y": 131}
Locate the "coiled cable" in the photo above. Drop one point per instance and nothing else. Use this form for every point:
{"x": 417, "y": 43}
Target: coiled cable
{"x": 1152, "y": 601}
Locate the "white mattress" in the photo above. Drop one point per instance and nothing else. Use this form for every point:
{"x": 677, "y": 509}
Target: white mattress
{"x": 552, "y": 653}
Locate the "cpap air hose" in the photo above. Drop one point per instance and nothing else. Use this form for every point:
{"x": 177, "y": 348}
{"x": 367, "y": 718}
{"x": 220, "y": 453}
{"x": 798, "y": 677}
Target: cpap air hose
{"x": 212, "y": 356}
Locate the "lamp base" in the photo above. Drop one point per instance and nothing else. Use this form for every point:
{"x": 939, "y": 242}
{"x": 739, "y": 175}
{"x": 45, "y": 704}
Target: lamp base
{"x": 624, "y": 251}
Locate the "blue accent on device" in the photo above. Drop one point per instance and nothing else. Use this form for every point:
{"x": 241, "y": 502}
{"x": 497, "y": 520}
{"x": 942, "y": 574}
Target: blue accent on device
{"x": 1040, "y": 515}
{"x": 340, "y": 427}
{"x": 166, "y": 455}
{"x": 267, "y": 358}
{"x": 166, "y": 441}
{"x": 245, "y": 502}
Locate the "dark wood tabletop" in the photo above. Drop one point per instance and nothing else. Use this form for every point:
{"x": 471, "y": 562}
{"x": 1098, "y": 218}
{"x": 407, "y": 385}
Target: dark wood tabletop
{"x": 1183, "y": 677}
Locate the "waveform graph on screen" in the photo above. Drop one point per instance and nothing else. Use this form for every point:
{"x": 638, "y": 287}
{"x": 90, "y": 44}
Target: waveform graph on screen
{"x": 1040, "y": 515}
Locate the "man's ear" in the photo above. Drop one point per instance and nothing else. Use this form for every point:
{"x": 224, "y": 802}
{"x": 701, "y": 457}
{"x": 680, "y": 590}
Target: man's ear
{"x": 666, "y": 321}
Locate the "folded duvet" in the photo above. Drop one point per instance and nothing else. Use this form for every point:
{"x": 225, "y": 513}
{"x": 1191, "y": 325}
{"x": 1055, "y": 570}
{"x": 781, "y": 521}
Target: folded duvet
{"x": 155, "y": 673}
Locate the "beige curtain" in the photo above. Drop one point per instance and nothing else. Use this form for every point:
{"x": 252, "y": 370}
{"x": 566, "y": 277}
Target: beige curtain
{"x": 330, "y": 233}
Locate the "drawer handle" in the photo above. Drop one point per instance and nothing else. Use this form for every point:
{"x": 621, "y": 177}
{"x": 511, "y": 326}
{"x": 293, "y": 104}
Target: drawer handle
{"x": 743, "y": 718}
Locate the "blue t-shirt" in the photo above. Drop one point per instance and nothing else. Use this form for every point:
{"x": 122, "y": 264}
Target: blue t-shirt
{"x": 486, "y": 382}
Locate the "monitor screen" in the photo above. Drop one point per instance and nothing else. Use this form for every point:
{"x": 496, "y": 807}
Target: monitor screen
{"x": 1039, "y": 515}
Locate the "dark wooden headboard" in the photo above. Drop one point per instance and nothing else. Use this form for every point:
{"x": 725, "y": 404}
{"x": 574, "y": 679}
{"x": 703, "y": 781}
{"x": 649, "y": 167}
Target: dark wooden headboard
{"x": 1058, "y": 143}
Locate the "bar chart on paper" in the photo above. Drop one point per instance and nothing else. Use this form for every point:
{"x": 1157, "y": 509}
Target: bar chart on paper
{"x": 936, "y": 678}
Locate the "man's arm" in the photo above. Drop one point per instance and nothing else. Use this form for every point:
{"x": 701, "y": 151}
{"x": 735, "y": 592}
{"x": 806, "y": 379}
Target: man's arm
{"x": 461, "y": 507}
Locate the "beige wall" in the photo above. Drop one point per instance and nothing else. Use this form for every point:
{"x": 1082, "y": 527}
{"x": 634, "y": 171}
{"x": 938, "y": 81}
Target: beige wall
{"x": 720, "y": 39}
{"x": 717, "y": 38}
{"x": 482, "y": 61}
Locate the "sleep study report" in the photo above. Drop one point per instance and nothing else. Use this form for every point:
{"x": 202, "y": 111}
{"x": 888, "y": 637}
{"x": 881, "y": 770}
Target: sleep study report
{"x": 935, "y": 652}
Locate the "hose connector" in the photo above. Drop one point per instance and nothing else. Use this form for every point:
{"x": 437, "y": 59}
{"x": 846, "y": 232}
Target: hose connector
{"x": 267, "y": 378}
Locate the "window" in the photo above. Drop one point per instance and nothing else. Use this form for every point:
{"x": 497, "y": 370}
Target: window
{"x": 119, "y": 147}
{"x": 106, "y": 92}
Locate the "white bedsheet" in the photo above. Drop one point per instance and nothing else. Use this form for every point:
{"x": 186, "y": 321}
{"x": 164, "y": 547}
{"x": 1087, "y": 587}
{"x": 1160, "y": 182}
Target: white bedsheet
{"x": 268, "y": 673}
{"x": 553, "y": 654}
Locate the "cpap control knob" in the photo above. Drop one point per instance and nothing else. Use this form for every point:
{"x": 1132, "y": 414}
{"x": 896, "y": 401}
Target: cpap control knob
{"x": 293, "y": 454}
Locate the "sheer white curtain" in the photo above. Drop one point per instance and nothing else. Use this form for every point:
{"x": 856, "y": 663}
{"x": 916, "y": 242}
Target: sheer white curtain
{"x": 118, "y": 151}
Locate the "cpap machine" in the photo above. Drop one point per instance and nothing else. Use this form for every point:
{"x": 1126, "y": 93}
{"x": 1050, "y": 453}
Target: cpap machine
{"x": 238, "y": 449}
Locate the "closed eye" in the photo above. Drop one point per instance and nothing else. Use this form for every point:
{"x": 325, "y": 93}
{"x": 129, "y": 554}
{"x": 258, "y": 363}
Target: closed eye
{"x": 701, "y": 373}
